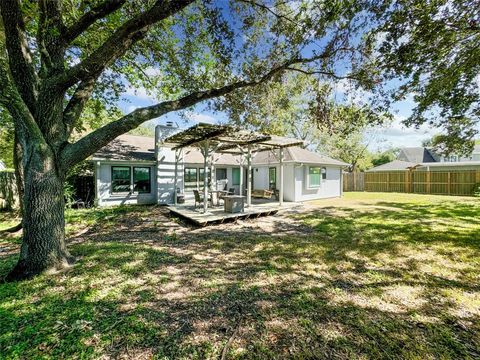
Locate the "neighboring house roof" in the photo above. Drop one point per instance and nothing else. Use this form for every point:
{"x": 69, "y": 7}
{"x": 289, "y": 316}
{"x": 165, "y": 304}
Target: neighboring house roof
{"x": 451, "y": 164}
{"x": 395, "y": 165}
{"x": 142, "y": 148}
{"x": 128, "y": 147}
{"x": 416, "y": 155}
{"x": 296, "y": 154}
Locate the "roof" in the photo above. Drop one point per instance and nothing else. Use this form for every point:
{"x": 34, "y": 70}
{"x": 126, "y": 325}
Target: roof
{"x": 128, "y": 147}
{"x": 452, "y": 164}
{"x": 393, "y": 166}
{"x": 142, "y": 148}
{"x": 296, "y": 154}
{"x": 416, "y": 155}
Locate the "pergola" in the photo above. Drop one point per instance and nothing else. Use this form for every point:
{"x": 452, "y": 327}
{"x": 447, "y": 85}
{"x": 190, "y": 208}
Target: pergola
{"x": 211, "y": 139}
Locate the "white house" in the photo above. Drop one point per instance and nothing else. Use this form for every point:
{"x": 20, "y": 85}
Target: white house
{"x": 140, "y": 170}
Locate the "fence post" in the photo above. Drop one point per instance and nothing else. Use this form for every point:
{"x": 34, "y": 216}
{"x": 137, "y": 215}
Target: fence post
{"x": 448, "y": 183}
{"x": 428, "y": 182}
{"x": 388, "y": 182}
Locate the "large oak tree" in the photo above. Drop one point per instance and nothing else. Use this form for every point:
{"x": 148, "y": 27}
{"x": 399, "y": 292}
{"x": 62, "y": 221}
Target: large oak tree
{"x": 56, "y": 56}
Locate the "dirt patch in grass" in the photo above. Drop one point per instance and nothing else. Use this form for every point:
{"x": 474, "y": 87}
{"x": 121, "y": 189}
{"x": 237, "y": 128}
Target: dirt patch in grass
{"x": 366, "y": 276}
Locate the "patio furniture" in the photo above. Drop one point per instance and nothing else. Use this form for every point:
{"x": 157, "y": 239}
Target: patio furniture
{"x": 262, "y": 194}
{"x": 198, "y": 198}
{"x": 216, "y": 196}
{"x": 233, "y": 203}
{"x": 231, "y": 191}
{"x": 180, "y": 197}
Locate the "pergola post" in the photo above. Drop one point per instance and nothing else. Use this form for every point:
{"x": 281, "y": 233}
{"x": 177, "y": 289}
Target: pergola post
{"x": 249, "y": 175}
{"x": 175, "y": 181}
{"x": 205, "y": 168}
{"x": 280, "y": 195}
{"x": 241, "y": 176}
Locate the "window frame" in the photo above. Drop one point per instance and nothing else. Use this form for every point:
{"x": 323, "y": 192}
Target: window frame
{"x": 112, "y": 191}
{"x": 274, "y": 168}
{"x": 149, "y": 180}
{"x": 185, "y": 178}
{"x": 309, "y": 183}
{"x": 234, "y": 183}
{"x": 323, "y": 173}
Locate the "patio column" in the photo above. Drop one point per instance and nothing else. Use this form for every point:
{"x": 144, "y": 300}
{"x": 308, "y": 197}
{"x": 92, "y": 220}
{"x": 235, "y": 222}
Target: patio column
{"x": 205, "y": 177}
{"x": 175, "y": 181}
{"x": 249, "y": 175}
{"x": 241, "y": 176}
{"x": 280, "y": 194}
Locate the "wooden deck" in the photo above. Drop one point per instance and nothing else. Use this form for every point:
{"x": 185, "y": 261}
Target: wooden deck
{"x": 217, "y": 215}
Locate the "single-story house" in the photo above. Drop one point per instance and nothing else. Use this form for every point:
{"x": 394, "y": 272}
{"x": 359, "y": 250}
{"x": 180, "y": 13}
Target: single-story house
{"x": 140, "y": 170}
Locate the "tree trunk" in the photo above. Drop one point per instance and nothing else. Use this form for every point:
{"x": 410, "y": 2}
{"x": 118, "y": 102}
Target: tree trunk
{"x": 43, "y": 246}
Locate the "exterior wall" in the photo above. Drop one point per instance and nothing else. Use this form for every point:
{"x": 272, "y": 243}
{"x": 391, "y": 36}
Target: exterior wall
{"x": 330, "y": 187}
{"x": 166, "y": 175}
{"x": 103, "y": 183}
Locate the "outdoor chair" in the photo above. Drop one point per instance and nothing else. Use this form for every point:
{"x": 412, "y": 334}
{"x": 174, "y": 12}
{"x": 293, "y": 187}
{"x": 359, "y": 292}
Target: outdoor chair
{"x": 198, "y": 197}
{"x": 180, "y": 196}
{"x": 231, "y": 191}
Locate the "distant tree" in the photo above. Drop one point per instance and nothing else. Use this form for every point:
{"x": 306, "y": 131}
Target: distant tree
{"x": 433, "y": 48}
{"x": 384, "y": 157}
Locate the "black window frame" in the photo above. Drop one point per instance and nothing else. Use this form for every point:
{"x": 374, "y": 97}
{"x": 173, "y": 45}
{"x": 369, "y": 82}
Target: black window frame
{"x": 185, "y": 178}
{"x": 323, "y": 173}
{"x": 113, "y": 167}
{"x": 274, "y": 187}
{"x": 149, "y": 179}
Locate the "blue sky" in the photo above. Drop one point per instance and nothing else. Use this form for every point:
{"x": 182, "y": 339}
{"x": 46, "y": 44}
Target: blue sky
{"x": 395, "y": 134}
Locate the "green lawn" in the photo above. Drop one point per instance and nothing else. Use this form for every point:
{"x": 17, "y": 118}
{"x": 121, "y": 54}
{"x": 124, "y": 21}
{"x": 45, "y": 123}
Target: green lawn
{"x": 371, "y": 275}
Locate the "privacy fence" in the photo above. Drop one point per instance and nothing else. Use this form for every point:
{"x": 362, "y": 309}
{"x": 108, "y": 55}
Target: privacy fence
{"x": 461, "y": 182}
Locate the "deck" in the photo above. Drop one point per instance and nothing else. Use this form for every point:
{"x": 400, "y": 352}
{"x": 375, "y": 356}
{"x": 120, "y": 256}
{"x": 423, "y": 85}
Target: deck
{"x": 217, "y": 214}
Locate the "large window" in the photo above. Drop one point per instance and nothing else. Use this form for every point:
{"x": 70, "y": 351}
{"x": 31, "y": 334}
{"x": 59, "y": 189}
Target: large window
{"x": 221, "y": 174}
{"x": 272, "y": 178}
{"x": 141, "y": 180}
{"x": 314, "y": 176}
{"x": 236, "y": 176}
{"x": 190, "y": 178}
{"x": 121, "y": 179}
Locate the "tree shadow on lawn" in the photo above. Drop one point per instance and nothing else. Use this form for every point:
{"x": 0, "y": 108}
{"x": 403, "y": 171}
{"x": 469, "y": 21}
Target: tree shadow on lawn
{"x": 361, "y": 284}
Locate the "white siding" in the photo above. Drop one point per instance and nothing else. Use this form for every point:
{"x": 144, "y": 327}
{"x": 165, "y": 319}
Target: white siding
{"x": 166, "y": 175}
{"x": 330, "y": 187}
{"x": 105, "y": 197}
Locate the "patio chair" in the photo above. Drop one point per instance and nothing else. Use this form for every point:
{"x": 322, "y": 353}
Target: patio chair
{"x": 231, "y": 191}
{"x": 198, "y": 198}
{"x": 180, "y": 196}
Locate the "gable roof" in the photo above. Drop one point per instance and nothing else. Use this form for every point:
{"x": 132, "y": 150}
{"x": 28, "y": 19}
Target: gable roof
{"x": 415, "y": 155}
{"x": 128, "y": 147}
{"x": 142, "y": 148}
{"x": 296, "y": 154}
{"x": 393, "y": 166}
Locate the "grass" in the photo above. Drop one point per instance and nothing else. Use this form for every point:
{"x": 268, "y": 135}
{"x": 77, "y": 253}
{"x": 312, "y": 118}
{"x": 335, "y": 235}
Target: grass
{"x": 366, "y": 276}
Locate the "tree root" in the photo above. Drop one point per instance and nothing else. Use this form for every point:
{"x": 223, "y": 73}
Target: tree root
{"x": 12, "y": 229}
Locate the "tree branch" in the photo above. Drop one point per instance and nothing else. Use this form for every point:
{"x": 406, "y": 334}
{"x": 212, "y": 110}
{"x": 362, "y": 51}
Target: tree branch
{"x": 89, "y": 144}
{"x": 77, "y": 103}
{"x": 121, "y": 40}
{"x": 96, "y": 13}
{"x": 19, "y": 54}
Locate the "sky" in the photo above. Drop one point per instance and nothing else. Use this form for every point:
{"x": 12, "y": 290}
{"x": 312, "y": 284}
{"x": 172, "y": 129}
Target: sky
{"x": 392, "y": 135}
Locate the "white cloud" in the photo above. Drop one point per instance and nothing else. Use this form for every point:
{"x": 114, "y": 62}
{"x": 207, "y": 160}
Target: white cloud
{"x": 399, "y": 135}
{"x": 198, "y": 118}
{"x": 139, "y": 93}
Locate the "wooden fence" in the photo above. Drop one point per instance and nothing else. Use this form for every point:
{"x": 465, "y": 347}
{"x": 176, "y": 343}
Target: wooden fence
{"x": 354, "y": 181}
{"x": 460, "y": 182}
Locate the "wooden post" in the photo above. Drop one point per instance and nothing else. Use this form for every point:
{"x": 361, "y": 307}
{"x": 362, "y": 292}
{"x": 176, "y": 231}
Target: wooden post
{"x": 175, "y": 181}
{"x": 241, "y": 178}
{"x": 428, "y": 181}
{"x": 249, "y": 175}
{"x": 205, "y": 168}
{"x": 354, "y": 181}
{"x": 448, "y": 183}
{"x": 281, "y": 178}
{"x": 388, "y": 182}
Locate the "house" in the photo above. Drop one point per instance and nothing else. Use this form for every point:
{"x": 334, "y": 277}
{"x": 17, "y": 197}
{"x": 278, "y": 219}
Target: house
{"x": 141, "y": 170}
{"x": 425, "y": 159}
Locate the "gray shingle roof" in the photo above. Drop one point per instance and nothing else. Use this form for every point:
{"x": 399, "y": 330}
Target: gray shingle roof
{"x": 128, "y": 147}
{"x": 416, "y": 155}
{"x": 296, "y": 154}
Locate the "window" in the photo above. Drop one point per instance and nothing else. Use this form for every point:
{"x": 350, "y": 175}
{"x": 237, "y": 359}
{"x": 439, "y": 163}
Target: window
{"x": 201, "y": 176}
{"x": 121, "y": 179}
{"x": 236, "y": 176}
{"x": 221, "y": 174}
{"x": 324, "y": 173}
{"x": 190, "y": 178}
{"x": 141, "y": 180}
{"x": 272, "y": 178}
{"x": 314, "y": 176}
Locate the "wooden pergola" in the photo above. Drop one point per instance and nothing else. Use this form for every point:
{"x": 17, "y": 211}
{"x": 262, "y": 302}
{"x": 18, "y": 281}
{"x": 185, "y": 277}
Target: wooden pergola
{"x": 211, "y": 139}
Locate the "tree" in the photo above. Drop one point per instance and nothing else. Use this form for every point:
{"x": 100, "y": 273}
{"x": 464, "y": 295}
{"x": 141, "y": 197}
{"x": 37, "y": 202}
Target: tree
{"x": 57, "y": 56}
{"x": 383, "y": 157}
{"x": 432, "y": 50}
